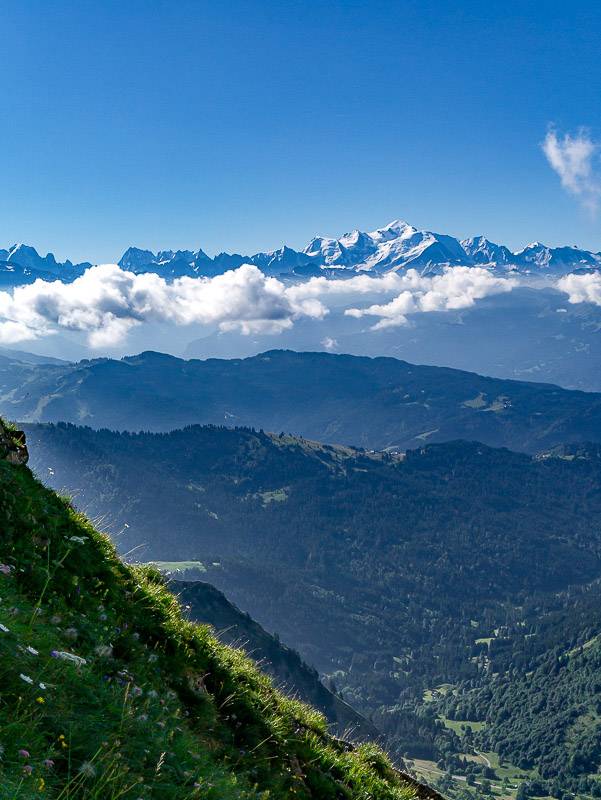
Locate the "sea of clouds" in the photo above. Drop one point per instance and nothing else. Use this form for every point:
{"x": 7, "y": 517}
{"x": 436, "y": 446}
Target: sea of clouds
{"x": 106, "y": 302}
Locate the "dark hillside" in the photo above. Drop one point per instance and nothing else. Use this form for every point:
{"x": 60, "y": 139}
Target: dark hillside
{"x": 369, "y": 402}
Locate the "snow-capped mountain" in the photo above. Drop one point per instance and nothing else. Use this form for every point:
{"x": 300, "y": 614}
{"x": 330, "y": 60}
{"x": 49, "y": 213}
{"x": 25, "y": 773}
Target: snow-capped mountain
{"x": 482, "y": 251}
{"x": 24, "y": 263}
{"x": 395, "y": 247}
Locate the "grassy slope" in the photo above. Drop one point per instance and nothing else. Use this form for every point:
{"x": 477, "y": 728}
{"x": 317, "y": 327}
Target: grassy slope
{"x": 159, "y": 708}
{"x": 205, "y": 603}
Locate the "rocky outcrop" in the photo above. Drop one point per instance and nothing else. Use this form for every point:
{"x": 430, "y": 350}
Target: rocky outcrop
{"x": 12, "y": 445}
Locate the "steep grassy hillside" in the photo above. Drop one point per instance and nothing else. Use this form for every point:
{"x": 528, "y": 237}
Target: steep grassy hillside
{"x": 374, "y": 403}
{"x": 106, "y": 691}
{"x": 204, "y": 603}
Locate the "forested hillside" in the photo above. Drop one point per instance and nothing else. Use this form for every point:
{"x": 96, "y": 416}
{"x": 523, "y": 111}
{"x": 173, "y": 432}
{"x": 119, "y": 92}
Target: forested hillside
{"x": 394, "y": 575}
{"x": 369, "y": 402}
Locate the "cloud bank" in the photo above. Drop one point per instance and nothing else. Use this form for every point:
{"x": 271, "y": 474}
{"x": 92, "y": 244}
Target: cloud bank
{"x": 456, "y": 288}
{"x": 573, "y": 157}
{"x": 106, "y": 302}
{"x": 582, "y": 288}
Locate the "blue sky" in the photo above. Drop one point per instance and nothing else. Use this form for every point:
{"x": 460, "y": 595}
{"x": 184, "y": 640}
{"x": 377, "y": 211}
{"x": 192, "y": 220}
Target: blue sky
{"x": 243, "y": 125}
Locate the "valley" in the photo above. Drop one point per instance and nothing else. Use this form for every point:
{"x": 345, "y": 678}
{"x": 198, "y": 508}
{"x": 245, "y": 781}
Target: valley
{"x": 454, "y": 565}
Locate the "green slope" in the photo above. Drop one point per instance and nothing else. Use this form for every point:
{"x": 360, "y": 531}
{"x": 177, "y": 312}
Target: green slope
{"x": 107, "y": 692}
{"x": 205, "y": 603}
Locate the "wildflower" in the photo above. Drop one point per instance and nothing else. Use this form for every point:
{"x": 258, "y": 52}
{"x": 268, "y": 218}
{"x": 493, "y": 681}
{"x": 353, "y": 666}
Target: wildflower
{"x": 40, "y": 700}
{"x": 26, "y": 678}
{"x": 71, "y": 657}
{"x": 4, "y": 629}
{"x": 56, "y": 619}
{"x": 137, "y": 692}
{"x": 42, "y": 686}
{"x": 62, "y": 741}
{"x": 41, "y": 784}
{"x": 78, "y": 539}
{"x": 23, "y": 753}
{"x": 87, "y": 769}
{"x": 48, "y": 763}
{"x": 27, "y": 769}
{"x": 71, "y": 633}
{"x": 104, "y": 651}
{"x": 5, "y": 569}
{"x": 32, "y": 651}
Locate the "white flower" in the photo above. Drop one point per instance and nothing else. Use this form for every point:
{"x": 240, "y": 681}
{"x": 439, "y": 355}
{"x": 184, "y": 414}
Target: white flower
{"x": 4, "y": 629}
{"x": 78, "y": 660}
{"x": 87, "y": 769}
{"x": 32, "y": 651}
{"x": 26, "y": 678}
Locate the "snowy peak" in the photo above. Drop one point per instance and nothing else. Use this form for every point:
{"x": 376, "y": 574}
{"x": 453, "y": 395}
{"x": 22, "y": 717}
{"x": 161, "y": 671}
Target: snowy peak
{"x": 24, "y": 260}
{"x": 482, "y": 251}
{"x": 134, "y": 258}
{"x": 396, "y": 247}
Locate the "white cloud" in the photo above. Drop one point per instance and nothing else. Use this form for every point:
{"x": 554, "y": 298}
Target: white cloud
{"x": 573, "y": 157}
{"x": 107, "y": 301}
{"x": 456, "y": 288}
{"x": 582, "y": 288}
{"x": 328, "y": 343}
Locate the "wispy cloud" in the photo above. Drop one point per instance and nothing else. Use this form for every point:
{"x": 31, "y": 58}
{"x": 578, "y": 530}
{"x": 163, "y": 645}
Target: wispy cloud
{"x": 329, "y": 344}
{"x": 574, "y": 157}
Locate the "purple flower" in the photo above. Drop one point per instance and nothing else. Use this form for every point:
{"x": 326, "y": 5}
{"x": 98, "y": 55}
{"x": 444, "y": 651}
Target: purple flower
{"x": 24, "y": 753}
{"x": 5, "y": 569}
{"x": 48, "y": 763}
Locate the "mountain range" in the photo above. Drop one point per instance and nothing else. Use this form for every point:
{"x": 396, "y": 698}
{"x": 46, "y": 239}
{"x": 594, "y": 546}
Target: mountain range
{"x": 377, "y": 403}
{"x": 395, "y": 247}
